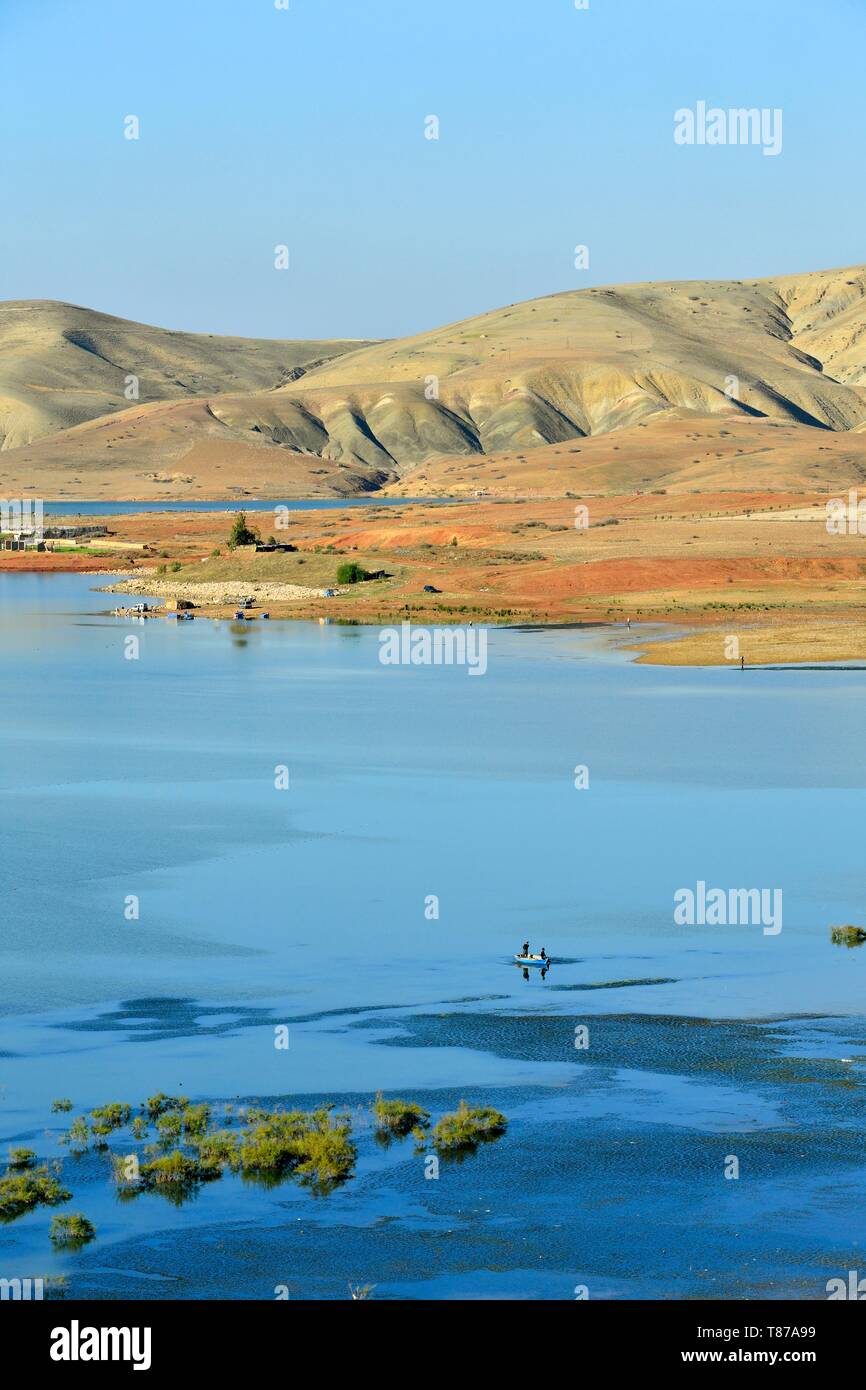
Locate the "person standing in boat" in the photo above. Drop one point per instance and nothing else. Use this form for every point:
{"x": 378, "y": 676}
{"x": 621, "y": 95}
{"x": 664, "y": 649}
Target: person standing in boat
{"x": 525, "y": 951}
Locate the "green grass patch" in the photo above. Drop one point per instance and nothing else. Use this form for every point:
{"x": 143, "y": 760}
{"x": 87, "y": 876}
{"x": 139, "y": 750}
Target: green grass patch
{"x": 21, "y": 1158}
{"x": 72, "y": 1231}
{"x": 106, "y": 1118}
{"x": 848, "y": 935}
{"x": 78, "y": 1134}
{"x": 177, "y": 1173}
{"x": 315, "y": 1146}
{"x": 399, "y": 1117}
{"x": 467, "y": 1127}
{"x": 160, "y": 1104}
{"x": 35, "y": 1187}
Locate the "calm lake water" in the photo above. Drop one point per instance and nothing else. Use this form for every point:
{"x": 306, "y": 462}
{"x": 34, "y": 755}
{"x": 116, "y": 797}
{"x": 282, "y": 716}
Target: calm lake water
{"x": 242, "y": 503}
{"x": 312, "y": 907}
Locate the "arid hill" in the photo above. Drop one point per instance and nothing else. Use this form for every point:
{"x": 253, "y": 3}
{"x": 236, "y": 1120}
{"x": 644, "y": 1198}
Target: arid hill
{"x": 61, "y": 365}
{"x": 601, "y": 388}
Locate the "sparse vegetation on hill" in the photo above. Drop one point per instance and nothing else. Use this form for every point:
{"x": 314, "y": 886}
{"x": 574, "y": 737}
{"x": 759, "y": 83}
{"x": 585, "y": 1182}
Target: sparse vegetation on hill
{"x": 559, "y": 372}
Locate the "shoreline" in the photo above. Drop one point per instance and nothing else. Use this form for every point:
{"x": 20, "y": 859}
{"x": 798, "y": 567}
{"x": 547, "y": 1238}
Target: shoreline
{"x": 727, "y": 574}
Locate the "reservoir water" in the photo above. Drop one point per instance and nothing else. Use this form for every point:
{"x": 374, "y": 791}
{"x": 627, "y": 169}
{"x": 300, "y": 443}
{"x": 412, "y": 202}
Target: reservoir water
{"x": 167, "y": 902}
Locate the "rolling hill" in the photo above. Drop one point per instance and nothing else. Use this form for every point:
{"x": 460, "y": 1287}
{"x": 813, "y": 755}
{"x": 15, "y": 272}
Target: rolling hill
{"x": 593, "y": 387}
{"x": 61, "y": 365}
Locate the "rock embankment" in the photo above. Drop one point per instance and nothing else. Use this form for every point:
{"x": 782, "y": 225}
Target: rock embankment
{"x": 217, "y": 592}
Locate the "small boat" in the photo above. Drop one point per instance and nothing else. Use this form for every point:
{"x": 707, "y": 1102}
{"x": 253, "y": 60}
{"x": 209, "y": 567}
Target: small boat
{"x": 532, "y": 960}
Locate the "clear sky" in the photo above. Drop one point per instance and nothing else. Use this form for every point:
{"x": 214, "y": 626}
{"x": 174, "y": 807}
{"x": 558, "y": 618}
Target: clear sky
{"x": 305, "y": 127}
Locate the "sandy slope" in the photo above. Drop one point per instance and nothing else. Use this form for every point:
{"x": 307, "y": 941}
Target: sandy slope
{"x": 669, "y": 384}
{"x": 61, "y": 364}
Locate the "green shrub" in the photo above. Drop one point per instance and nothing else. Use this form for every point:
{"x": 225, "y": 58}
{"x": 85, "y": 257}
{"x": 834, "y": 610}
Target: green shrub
{"x": 467, "y": 1127}
{"x": 218, "y": 1150}
{"x": 22, "y": 1158}
{"x": 20, "y": 1192}
{"x": 110, "y": 1117}
{"x": 241, "y": 534}
{"x": 61, "y": 1107}
{"x": 399, "y": 1116}
{"x": 158, "y": 1104}
{"x": 71, "y": 1230}
{"x": 351, "y": 573}
{"x": 169, "y": 1126}
{"x": 848, "y": 935}
{"x": 176, "y": 1170}
{"x": 78, "y": 1134}
{"x": 195, "y": 1119}
{"x": 315, "y": 1145}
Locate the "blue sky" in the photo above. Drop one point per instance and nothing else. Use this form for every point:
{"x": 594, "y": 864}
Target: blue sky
{"x": 305, "y": 127}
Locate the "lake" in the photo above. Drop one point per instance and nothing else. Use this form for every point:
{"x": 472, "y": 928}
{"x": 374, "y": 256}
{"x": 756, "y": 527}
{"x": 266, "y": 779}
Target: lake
{"x": 167, "y": 904}
{"x": 241, "y": 503}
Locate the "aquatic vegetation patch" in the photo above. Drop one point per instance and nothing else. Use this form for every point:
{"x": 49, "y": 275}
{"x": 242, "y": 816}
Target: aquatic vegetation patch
{"x": 315, "y": 1145}
{"x": 169, "y": 1126}
{"x": 61, "y": 1107}
{"x": 106, "y": 1118}
{"x": 467, "y": 1127}
{"x": 219, "y": 1148}
{"x": 399, "y": 1117}
{"x": 161, "y": 1104}
{"x": 24, "y": 1191}
{"x": 72, "y": 1231}
{"x": 195, "y": 1119}
{"x": 848, "y": 935}
{"x": 77, "y": 1135}
{"x": 178, "y": 1171}
{"x": 21, "y": 1158}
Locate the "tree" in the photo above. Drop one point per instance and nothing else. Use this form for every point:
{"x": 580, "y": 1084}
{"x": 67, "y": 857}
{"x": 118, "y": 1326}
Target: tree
{"x": 241, "y": 534}
{"x": 351, "y": 573}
